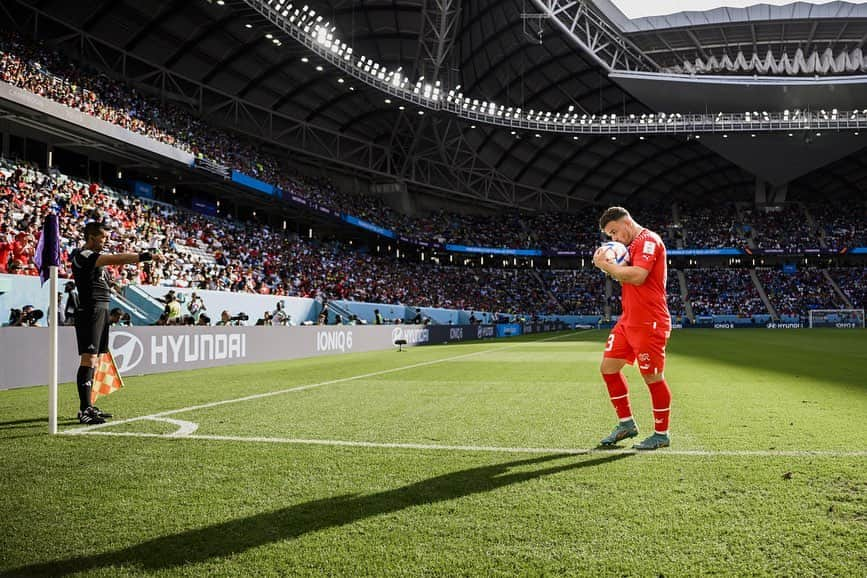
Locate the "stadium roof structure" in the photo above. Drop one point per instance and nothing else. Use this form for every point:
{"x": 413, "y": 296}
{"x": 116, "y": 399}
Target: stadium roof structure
{"x": 222, "y": 58}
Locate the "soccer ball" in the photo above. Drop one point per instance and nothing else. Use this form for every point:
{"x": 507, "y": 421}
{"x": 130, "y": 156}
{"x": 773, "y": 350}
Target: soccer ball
{"x": 615, "y": 252}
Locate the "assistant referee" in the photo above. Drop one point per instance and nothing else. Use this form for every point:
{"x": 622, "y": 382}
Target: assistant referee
{"x": 91, "y": 318}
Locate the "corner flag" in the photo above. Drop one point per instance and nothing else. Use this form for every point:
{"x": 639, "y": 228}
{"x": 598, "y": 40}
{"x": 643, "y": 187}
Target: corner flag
{"x": 106, "y": 378}
{"x": 47, "y": 259}
{"x": 48, "y": 250}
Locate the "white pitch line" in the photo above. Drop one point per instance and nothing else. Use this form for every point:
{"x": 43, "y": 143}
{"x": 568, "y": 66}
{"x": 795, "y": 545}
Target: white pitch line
{"x": 492, "y": 449}
{"x": 89, "y": 429}
{"x": 185, "y": 428}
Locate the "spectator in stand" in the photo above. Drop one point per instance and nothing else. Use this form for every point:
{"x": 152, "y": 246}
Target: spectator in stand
{"x": 5, "y": 249}
{"x": 27, "y": 316}
{"x": 279, "y": 316}
{"x": 172, "y": 309}
{"x": 117, "y": 317}
{"x": 72, "y": 302}
{"x": 196, "y": 306}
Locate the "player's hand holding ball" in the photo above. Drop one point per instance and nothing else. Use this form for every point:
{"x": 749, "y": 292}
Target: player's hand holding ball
{"x": 611, "y": 253}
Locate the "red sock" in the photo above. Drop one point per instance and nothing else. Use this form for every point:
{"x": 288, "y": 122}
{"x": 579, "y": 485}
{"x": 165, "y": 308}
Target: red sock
{"x": 619, "y": 394}
{"x": 660, "y": 395}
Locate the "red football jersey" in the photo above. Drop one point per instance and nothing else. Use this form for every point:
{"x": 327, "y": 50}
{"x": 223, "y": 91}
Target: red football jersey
{"x": 646, "y": 304}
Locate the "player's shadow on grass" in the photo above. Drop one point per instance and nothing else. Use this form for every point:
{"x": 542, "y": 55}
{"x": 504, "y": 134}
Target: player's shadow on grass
{"x": 20, "y": 422}
{"x": 28, "y": 428}
{"x": 234, "y": 536}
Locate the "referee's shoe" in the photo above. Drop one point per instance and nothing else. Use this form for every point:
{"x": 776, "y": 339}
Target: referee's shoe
{"x": 100, "y": 413}
{"x": 90, "y": 416}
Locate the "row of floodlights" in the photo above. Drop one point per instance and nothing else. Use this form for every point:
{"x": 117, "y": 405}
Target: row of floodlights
{"x": 796, "y": 114}
{"x": 323, "y": 33}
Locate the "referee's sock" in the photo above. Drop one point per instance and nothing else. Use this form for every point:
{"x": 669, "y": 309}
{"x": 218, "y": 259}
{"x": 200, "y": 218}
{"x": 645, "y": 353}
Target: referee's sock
{"x": 84, "y": 380}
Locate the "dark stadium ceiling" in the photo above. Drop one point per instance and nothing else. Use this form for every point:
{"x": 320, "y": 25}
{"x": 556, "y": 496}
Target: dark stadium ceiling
{"x": 494, "y": 58}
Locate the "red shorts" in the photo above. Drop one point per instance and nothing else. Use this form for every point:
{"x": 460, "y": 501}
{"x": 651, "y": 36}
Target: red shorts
{"x": 646, "y": 343}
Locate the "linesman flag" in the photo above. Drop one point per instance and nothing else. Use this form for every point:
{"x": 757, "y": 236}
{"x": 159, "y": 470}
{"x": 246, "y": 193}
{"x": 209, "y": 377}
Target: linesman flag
{"x": 48, "y": 250}
{"x": 106, "y": 378}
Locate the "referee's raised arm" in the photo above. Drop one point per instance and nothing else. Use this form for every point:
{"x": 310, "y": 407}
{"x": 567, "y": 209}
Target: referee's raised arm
{"x": 127, "y": 258}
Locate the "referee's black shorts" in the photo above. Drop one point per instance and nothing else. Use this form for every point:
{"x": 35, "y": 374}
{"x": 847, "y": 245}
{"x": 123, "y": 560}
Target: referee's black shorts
{"x": 91, "y": 330}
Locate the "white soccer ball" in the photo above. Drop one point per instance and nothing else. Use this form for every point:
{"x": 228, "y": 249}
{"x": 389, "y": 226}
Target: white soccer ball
{"x": 615, "y": 252}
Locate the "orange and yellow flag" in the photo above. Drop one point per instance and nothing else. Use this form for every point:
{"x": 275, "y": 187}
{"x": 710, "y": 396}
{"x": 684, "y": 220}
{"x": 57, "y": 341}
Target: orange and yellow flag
{"x": 106, "y": 378}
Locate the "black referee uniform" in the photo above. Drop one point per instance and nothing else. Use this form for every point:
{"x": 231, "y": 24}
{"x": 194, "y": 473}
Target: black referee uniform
{"x": 91, "y": 325}
{"x": 94, "y": 294}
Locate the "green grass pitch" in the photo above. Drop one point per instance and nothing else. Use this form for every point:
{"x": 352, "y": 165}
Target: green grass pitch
{"x": 466, "y": 462}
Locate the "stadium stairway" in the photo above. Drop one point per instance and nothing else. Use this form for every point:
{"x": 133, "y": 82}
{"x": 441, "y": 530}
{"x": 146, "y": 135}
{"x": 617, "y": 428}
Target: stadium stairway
{"x": 195, "y": 253}
{"x": 334, "y": 309}
{"x": 812, "y": 222}
{"x": 148, "y": 307}
{"x": 675, "y": 219}
{"x": 742, "y": 220}
{"x": 548, "y": 291}
{"x": 137, "y": 316}
{"x": 684, "y": 295}
{"x": 761, "y": 289}
{"x": 840, "y": 294}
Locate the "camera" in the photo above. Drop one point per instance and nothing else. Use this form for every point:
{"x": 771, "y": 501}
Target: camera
{"x": 240, "y": 317}
{"x": 20, "y": 317}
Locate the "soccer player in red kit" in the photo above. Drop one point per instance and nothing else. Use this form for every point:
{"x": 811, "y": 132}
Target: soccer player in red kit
{"x": 642, "y": 331}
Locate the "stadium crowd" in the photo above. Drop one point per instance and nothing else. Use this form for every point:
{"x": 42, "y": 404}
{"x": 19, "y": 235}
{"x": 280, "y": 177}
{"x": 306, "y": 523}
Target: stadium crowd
{"x": 219, "y": 254}
{"x": 566, "y": 232}
{"x": 578, "y": 291}
{"x": 841, "y": 225}
{"x": 707, "y": 225}
{"x": 795, "y": 294}
{"x": 615, "y": 306}
{"x": 209, "y": 253}
{"x": 782, "y": 227}
{"x": 853, "y": 283}
{"x": 723, "y": 292}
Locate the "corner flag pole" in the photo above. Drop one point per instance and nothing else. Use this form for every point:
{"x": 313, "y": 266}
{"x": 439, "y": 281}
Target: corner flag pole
{"x": 52, "y": 352}
{"x": 47, "y": 259}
